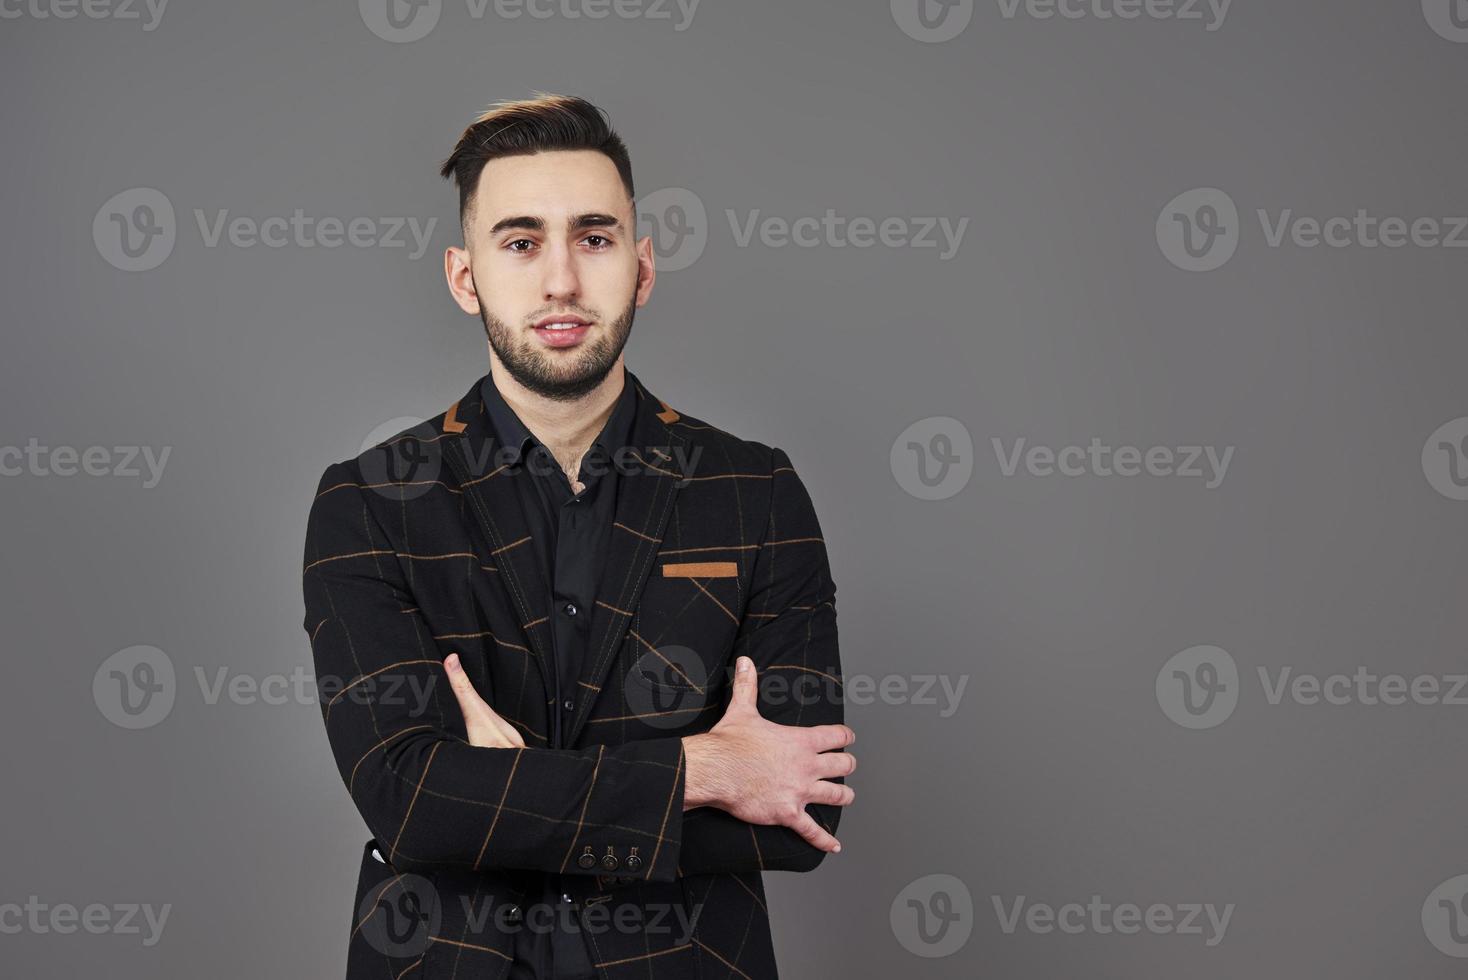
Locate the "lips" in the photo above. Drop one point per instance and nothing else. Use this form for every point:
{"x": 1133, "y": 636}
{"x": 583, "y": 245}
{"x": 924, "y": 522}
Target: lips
{"x": 566, "y": 332}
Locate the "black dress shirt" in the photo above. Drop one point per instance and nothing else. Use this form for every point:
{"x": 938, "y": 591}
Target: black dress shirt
{"x": 569, "y": 532}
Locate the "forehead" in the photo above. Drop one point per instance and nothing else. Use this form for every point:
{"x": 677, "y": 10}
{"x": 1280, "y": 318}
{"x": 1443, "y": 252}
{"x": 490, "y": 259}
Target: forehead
{"x": 550, "y": 185}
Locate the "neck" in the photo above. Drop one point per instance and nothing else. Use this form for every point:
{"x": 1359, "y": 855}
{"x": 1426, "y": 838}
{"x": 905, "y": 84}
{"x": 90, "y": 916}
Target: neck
{"x": 566, "y": 427}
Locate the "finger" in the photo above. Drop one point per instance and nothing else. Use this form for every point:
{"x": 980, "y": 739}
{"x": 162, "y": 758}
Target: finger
{"x": 826, "y": 737}
{"x": 834, "y": 794}
{"x": 469, "y": 700}
{"x": 509, "y": 731}
{"x": 813, "y": 833}
{"x": 745, "y": 696}
{"x": 835, "y": 764}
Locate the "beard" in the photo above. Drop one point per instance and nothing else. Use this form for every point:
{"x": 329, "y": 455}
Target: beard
{"x": 537, "y": 369}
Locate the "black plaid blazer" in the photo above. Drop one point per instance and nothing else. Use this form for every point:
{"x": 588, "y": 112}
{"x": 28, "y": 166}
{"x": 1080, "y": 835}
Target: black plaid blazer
{"x": 417, "y": 549}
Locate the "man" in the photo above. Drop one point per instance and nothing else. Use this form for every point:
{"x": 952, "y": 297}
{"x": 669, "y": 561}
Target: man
{"x": 526, "y": 615}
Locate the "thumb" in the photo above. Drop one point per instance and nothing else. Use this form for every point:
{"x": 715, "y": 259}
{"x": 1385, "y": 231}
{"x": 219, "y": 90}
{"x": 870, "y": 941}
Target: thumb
{"x": 745, "y": 695}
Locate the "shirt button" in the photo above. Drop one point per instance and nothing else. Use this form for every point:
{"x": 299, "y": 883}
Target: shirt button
{"x": 569, "y": 704}
{"x": 571, "y": 609}
{"x": 565, "y": 898}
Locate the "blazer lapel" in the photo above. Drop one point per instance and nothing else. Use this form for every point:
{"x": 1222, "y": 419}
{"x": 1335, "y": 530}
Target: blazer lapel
{"x": 471, "y": 451}
{"x": 644, "y": 502}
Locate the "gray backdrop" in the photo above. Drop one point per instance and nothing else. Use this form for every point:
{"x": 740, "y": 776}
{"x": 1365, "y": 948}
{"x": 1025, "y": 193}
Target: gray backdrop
{"x": 1124, "y": 708}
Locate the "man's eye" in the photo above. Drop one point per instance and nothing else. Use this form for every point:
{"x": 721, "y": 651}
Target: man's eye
{"x": 519, "y": 241}
{"x": 599, "y": 238}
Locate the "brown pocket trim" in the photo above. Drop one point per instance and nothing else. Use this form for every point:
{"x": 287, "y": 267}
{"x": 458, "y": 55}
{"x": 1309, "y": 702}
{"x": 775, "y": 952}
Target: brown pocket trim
{"x": 700, "y": 569}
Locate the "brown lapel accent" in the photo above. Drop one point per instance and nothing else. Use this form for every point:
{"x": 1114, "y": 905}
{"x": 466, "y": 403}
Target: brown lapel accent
{"x": 451, "y": 421}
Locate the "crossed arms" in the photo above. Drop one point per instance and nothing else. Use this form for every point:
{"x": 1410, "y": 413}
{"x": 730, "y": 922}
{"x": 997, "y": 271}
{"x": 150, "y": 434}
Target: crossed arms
{"x": 451, "y": 783}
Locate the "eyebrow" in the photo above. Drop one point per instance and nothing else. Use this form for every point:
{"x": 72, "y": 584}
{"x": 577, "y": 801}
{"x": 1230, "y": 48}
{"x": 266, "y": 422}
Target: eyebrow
{"x": 580, "y": 222}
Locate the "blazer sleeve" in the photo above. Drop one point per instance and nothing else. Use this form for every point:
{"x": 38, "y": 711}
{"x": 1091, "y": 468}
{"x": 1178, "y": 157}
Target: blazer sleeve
{"x": 398, "y": 738}
{"x": 789, "y": 630}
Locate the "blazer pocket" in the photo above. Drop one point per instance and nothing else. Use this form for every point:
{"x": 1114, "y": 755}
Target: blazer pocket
{"x": 700, "y": 569}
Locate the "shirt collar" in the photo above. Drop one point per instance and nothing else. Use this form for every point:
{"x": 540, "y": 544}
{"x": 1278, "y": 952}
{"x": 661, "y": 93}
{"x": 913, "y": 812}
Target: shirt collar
{"x": 518, "y": 440}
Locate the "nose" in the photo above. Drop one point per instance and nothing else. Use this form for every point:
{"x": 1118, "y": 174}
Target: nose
{"x": 562, "y": 281}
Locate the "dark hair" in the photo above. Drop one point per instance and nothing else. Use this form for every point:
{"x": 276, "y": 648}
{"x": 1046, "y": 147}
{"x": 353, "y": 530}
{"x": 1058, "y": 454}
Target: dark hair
{"x": 545, "y": 122}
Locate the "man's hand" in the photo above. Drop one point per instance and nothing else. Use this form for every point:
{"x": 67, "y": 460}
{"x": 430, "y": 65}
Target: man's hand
{"x": 487, "y": 730}
{"x": 764, "y": 773}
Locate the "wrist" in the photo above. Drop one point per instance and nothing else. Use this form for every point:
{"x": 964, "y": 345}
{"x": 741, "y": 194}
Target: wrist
{"x": 700, "y": 781}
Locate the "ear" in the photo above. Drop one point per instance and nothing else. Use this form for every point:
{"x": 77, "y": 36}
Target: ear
{"x": 647, "y": 272}
{"x": 460, "y": 276}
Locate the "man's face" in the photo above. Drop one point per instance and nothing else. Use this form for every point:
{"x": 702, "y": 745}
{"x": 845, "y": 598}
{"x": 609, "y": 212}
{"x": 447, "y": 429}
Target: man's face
{"x": 553, "y": 268}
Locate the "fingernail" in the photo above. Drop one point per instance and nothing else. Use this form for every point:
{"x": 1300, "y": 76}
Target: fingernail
{"x": 744, "y": 663}
{"x": 451, "y": 661}
{"x": 836, "y": 849}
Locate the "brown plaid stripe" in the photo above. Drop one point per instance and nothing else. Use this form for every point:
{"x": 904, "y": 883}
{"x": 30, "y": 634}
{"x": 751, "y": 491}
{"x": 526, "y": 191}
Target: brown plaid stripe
{"x": 405, "y": 564}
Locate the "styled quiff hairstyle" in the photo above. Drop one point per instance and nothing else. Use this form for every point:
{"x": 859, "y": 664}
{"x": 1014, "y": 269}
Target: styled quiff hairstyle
{"x": 520, "y": 128}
